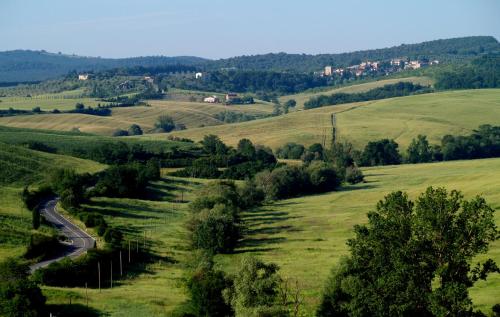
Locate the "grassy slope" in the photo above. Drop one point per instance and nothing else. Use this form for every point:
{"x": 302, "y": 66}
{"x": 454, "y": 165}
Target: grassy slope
{"x": 306, "y": 236}
{"x": 436, "y": 114}
{"x": 192, "y": 114}
{"x": 160, "y": 290}
{"x": 22, "y": 166}
{"x": 301, "y": 98}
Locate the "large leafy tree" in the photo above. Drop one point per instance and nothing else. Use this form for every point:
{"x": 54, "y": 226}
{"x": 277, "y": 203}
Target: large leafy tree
{"x": 419, "y": 150}
{"x": 19, "y": 296}
{"x": 412, "y": 259}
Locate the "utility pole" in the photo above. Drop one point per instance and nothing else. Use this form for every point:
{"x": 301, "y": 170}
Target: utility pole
{"x": 121, "y": 267}
{"x": 129, "y": 251}
{"x": 111, "y": 280}
{"x": 86, "y": 295}
{"x": 99, "y": 274}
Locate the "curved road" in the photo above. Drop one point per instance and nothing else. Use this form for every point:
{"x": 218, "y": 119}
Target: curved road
{"x": 79, "y": 240}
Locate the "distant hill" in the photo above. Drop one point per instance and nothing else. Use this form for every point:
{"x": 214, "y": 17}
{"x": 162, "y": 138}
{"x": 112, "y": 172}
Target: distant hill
{"x": 454, "y": 49}
{"x": 28, "y": 66}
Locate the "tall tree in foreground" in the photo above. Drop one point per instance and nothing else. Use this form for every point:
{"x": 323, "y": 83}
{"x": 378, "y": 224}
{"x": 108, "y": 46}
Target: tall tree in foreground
{"x": 19, "y": 296}
{"x": 413, "y": 259}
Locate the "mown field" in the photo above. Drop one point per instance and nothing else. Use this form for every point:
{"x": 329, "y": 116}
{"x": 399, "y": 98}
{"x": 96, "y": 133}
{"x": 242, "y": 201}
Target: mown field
{"x": 191, "y": 114}
{"x": 305, "y": 236}
{"x": 62, "y": 101}
{"x": 301, "y": 98}
{"x": 20, "y": 167}
{"x": 401, "y": 119}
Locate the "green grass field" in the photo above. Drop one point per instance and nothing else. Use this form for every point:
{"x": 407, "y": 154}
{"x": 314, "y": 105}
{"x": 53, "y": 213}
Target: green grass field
{"x": 305, "y": 236}
{"x": 301, "y": 98}
{"x": 402, "y": 119}
{"x": 192, "y": 114}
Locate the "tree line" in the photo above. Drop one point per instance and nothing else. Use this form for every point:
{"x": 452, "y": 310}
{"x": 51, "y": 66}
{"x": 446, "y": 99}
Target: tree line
{"x": 387, "y": 91}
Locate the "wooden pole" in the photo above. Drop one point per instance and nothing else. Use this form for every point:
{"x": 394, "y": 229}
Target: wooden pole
{"x": 137, "y": 246}
{"x": 144, "y": 238}
{"x": 86, "y": 295}
{"x": 111, "y": 280}
{"x": 99, "y": 274}
{"x": 128, "y": 251}
{"x": 121, "y": 266}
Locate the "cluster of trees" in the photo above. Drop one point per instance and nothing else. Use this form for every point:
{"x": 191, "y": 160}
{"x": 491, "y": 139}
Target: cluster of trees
{"x": 242, "y": 162}
{"x": 232, "y": 117}
{"x": 482, "y": 143}
{"x": 387, "y": 91}
{"x": 166, "y": 123}
{"x": 482, "y": 72}
{"x": 291, "y": 181}
{"x": 251, "y": 81}
{"x": 127, "y": 180}
{"x": 413, "y": 258}
{"x": 134, "y": 129}
{"x": 256, "y": 289}
{"x": 245, "y": 100}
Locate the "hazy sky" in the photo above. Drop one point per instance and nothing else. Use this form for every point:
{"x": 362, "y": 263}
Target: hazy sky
{"x": 223, "y": 28}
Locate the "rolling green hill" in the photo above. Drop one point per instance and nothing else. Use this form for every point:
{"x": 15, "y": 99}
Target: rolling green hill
{"x": 306, "y": 236}
{"x": 305, "y": 96}
{"x": 402, "y": 119}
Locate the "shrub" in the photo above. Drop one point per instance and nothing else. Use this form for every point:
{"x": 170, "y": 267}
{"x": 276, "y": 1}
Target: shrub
{"x": 135, "y": 130}
{"x": 120, "y": 132}
{"x": 165, "y": 123}
{"x": 353, "y": 175}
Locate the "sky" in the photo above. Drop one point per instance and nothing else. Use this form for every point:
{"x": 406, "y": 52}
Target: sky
{"x": 224, "y": 28}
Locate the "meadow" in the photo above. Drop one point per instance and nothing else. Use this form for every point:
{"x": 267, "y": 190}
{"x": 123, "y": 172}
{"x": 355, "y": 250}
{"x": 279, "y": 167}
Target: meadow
{"x": 191, "y": 114}
{"x": 305, "y": 236}
{"x": 301, "y": 98}
{"x": 401, "y": 119}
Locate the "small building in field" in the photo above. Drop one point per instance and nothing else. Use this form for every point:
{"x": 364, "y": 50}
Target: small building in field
{"x": 211, "y": 99}
{"x": 328, "y": 71}
{"x": 149, "y": 79}
{"x": 83, "y": 76}
{"x": 198, "y": 75}
{"x": 230, "y": 96}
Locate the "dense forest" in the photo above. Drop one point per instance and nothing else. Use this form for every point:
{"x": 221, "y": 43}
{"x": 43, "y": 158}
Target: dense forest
{"x": 443, "y": 50}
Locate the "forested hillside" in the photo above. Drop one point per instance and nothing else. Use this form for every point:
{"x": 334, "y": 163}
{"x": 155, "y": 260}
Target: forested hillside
{"x": 443, "y": 50}
{"x": 28, "y": 66}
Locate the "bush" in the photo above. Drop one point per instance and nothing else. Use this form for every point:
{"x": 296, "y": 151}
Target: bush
{"x": 135, "y": 130}
{"x": 382, "y": 152}
{"x": 353, "y": 175}
{"x": 290, "y": 150}
{"x": 205, "y": 286}
{"x": 322, "y": 177}
{"x": 120, "y": 132}
{"x": 165, "y": 123}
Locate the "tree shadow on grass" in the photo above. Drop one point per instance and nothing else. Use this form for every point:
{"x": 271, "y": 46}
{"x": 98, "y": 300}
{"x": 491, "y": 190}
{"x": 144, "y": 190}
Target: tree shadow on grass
{"x": 366, "y": 185}
{"x": 74, "y": 310}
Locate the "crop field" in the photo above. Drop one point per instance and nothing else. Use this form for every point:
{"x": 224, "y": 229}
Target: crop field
{"x": 301, "y": 98}
{"x": 305, "y": 236}
{"x": 401, "y": 119}
{"x": 47, "y": 102}
{"x": 192, "y": 114}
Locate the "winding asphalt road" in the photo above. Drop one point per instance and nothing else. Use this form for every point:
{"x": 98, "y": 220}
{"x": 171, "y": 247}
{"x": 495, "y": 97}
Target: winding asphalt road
{"x": 79, "y": 240}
